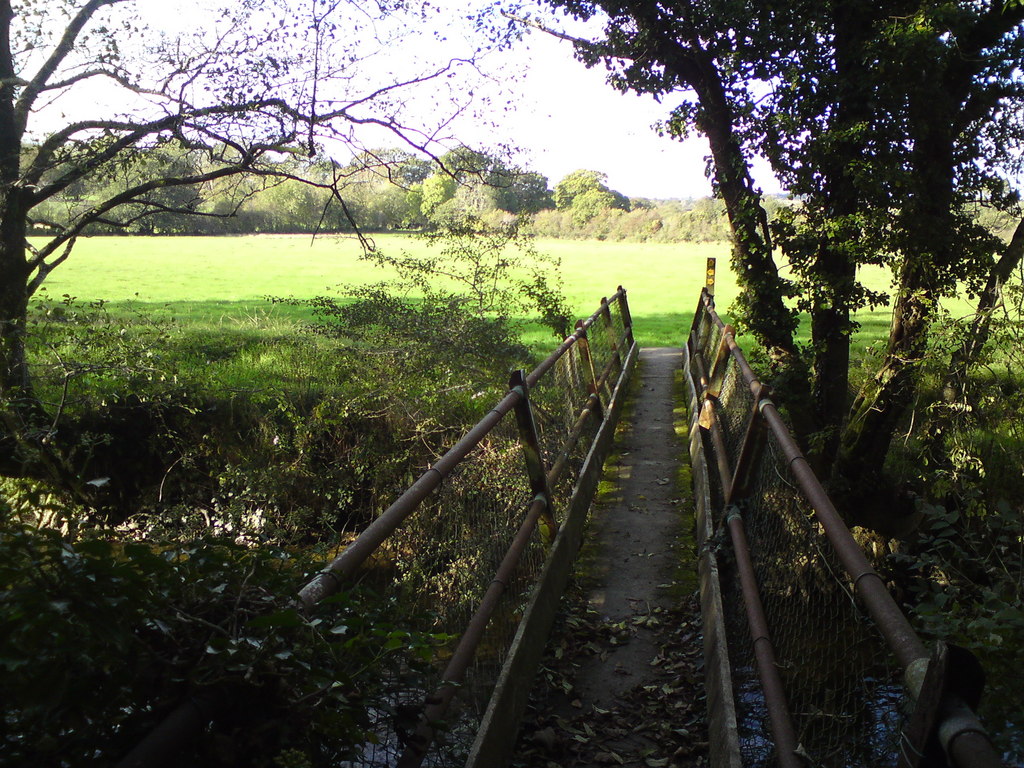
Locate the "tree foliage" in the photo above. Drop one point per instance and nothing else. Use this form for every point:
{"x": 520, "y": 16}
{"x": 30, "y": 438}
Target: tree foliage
{"x": 890, "y": 124}
{"x": 472, "y": 182}
{"x": 193, "y": 122}
{"x": 100, "y": 637}
{"x": 585, "y": 194}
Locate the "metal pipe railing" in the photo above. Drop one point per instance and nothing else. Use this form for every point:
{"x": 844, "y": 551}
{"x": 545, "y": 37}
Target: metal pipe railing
{"x": 959, "y": 731}
{"x": 348, "y": 562}
{"x": 436, "y": 706}
{"x": 465, "y": 651}
{"x": 161, "y": 746}
{"x": 779, "y": 718}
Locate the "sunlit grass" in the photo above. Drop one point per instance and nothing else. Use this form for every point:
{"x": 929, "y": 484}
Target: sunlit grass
{"x": 224, "y": 284}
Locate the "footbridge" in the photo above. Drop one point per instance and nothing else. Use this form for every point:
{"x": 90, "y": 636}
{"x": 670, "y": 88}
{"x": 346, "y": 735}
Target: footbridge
{"x": 803, "y": 658}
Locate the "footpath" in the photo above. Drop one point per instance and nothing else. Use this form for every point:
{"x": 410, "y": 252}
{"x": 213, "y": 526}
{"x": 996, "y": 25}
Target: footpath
{"x": 622, "y": 682}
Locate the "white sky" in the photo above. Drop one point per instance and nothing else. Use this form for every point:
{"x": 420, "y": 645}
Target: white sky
{"x": 567, "y": 117}
{"x": 562, "y": 115}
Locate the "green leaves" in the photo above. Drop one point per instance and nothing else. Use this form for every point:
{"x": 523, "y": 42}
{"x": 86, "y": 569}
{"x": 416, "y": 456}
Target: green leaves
{"x": 100, "y": 637}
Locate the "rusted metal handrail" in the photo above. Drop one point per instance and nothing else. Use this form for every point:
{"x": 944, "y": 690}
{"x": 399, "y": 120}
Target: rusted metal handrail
{"x": 781, "y": 723}
{"x": 958, "y": 729}
{"x": 162, "y": 745}
{"x": 344, "y": 565}
{"x": 436, "y": 706}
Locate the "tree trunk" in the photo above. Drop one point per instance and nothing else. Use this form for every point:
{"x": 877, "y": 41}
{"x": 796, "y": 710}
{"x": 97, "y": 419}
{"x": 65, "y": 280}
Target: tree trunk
{"x": 14, "y": 268}
{"x": 967, "y": 354}
{"x": 885, "y": 400}
{"x": 22, "y": 416}
{"x": 14, "y": 274}
{"x": 762, "y": 290}
{"x": 765, "y": 312}
{"x": 830, "y": 342}
{"x": 928, "y": 233}
{"x": 834, "y": 270}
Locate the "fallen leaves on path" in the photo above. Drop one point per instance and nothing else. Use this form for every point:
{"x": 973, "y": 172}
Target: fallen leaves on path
{"x": 657, "y": 723}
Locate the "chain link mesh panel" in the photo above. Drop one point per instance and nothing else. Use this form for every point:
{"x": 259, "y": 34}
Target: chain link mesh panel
{"x": 843, "y": 687}
{"x": 436, "y": 568}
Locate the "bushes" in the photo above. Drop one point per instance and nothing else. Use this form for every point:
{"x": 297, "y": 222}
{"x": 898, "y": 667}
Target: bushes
{"x": 282, "y": 435}
{"x": 964, "y": 568}
{"x": 667, "y": 222}
{"x": 101, "y": 637}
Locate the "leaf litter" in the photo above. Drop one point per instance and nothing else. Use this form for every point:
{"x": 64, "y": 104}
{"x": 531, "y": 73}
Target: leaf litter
{"x": 657, "y": 723}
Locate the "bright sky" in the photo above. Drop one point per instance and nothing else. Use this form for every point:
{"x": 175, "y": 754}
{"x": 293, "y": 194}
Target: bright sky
{"x": 568, "y": 117}
{"x": 562, "y": 115}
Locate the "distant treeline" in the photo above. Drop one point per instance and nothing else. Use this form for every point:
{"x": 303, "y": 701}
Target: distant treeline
{"x": 390, "y": 190}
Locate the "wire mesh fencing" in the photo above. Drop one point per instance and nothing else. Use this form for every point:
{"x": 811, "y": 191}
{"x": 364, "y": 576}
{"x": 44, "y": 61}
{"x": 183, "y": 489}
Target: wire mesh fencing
{"x": 458, "y": 555}
{"x": 826, "y": 671}
{"x": 446, "y": 554}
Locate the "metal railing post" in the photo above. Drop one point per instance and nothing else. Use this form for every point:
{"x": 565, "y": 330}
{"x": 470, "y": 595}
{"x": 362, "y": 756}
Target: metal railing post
{"x": 779, "y": 718}
{"x": 534, "y": 459}
{"x": 627, "y": 317}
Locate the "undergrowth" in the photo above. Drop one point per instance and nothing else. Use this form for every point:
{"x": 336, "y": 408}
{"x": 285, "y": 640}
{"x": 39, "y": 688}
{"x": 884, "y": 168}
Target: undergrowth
{"x": 963, "y": 568}
{"x": 207, "y": 475}
{"x": 100, "y": 638}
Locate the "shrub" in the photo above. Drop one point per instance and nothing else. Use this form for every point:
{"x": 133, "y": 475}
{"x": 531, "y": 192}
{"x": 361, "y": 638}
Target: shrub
{"x": 964, "y": 567}
{"x": 100, "y": 637}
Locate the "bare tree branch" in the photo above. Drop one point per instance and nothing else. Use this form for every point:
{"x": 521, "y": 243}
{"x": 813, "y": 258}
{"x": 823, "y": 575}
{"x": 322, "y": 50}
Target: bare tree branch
{"x": 132, "y": 195}
{"x": 90, "y": 73}
{"x": 57, "y": 56}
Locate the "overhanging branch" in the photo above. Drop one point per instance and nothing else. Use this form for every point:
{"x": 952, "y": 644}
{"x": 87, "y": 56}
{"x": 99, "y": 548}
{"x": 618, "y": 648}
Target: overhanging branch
{"x": 60, "y": 52}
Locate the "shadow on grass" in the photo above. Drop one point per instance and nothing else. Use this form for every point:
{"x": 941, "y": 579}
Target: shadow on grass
{"x": 668, "y": 329}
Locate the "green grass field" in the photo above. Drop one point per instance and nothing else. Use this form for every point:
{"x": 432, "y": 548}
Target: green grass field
{"x": 225, "y": 281}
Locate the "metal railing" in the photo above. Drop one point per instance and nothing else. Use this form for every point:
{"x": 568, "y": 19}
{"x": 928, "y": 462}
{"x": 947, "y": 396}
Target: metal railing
{"x": 841, "y": 677}
{"x": 468, "y": 547}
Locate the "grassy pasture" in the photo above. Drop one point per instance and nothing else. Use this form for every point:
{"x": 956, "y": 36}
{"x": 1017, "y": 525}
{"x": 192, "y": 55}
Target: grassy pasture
{"x": 222, "y": 283}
